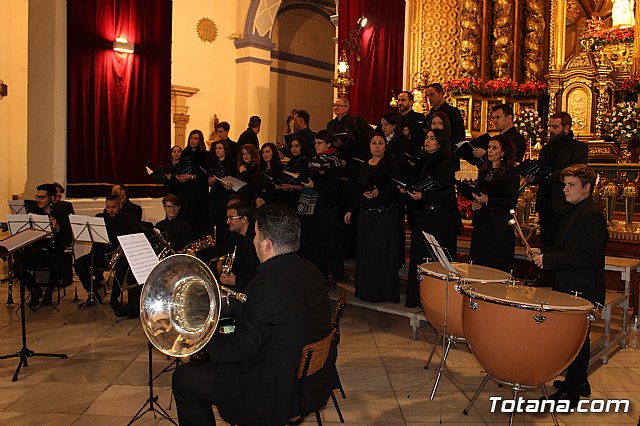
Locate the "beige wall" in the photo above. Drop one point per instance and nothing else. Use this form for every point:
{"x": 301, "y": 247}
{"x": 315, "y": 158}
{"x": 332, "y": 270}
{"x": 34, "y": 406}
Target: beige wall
{"x": 13, "y": 108}
{"x": 207, "y": 66}
{"x": 307, "y": 34}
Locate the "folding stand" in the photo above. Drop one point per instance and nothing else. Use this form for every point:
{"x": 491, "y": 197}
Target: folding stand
{"x": 23, "y": 239}
{"x": 10, "y": 280}
{"x": 152, "y": 401}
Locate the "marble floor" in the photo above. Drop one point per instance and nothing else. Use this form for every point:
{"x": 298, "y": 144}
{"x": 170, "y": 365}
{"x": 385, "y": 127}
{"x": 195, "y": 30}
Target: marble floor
{"x": 103, "y": 380}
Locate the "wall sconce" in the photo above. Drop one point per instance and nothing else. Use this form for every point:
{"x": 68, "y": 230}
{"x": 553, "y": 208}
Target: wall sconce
{"x": 122, "y": 45}
{"x": 352, "y": 42}
{"x": 3, "y": 89}
{"x": 343, "y": 81}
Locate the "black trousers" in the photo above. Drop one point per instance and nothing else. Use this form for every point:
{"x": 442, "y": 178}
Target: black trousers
{"x": 577, "y": 371}
{"x": 194, "y": 390}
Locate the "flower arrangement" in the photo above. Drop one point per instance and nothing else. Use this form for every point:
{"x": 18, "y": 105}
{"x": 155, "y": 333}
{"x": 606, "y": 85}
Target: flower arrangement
{"x": 622, "y": 121}
{"x": 464, "y": 206}
{"x": 604, "y": 36}
{"x": 529, "y": 123}
{"x": 631, "y": 84}
{"x": 496, "y": 87}
{"x": 462, "y": 86}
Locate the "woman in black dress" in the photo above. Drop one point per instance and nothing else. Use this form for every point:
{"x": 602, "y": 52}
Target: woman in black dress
{"x": 297, "y": 165}
{"x": 248, "y": 167}
{"x": 376, "y": 257}
{"x": 223, "y": 163}
{"x": 173, "y": 187}
{"x": 266, "y": 191}
{"x": 493, "y": 242}
{"x": 435, "y": 212}
{"x": 194, "y": 189}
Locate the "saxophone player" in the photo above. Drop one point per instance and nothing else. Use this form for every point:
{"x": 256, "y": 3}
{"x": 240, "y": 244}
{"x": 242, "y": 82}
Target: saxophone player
{"x": 179, "y": 231}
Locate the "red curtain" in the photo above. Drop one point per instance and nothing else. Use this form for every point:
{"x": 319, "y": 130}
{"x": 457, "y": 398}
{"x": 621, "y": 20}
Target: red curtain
{"x": 118, "y": 104}
{"x": 381, "y": 53}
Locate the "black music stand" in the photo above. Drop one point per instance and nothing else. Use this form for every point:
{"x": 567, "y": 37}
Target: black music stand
{"x": 151, "y": 403}
{"x": 444, "y": 258}
{"x": 13, "y": 244}
{"x": 90, "y": 230}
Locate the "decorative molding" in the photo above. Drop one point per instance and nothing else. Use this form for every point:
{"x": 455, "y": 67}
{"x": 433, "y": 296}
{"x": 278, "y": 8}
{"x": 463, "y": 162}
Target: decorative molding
{"x": 302, "y": 60}
{"x": 534, "y": 34}
{"x": 502, "y": 51}
{"x": 300, "y": 75}
{"x": 306, "y": 6}
{"x": 256, "y": 41}
{"x": 207, "y": 30}
{"x": 470, "y": 38}
{"x": 253, "y": 60}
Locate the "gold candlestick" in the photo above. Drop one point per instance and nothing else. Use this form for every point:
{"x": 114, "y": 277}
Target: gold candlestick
{"x": 610, "y": 192}
{"x": 629, "y": 193}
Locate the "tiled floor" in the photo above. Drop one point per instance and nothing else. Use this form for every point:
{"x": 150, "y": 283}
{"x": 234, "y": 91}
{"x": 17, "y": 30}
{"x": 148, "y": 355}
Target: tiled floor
{"x": 104, "y": 379}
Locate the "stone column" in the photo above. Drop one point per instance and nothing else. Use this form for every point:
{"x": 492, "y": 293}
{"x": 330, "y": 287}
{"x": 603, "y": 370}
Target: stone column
{"x": 179, "y": 108}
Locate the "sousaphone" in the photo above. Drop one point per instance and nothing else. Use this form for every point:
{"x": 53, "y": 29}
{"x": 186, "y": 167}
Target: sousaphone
{"x": 180, "y": 305}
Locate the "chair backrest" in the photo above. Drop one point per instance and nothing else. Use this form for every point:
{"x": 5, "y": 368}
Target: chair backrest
{"x": 315, "y": 355}
{"x": 337, "y": 313}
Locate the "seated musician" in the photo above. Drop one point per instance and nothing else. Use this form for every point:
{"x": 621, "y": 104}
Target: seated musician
{"x": 59, "y": 202}
{"x": 251, "y": 375}
{"x": 178, "y": 230}
{"x": 127, "y": 205}
{"x": 578, "y": 259}
{"x": 48, "y": 252}
{"x": 118, "y": 223}
{"x": 240, "y": 237}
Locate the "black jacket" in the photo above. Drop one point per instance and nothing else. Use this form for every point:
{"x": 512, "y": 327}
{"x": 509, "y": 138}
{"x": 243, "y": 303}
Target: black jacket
{"x": 578, "y": 257}
{"x": 287, "y": 307}
{"x": 248, "y": 137}
{"x": 517, "y": 140}
{"x": 458, "y": 132}
{"x": 503, "y": 193}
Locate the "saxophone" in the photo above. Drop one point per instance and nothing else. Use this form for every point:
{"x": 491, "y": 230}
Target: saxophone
{"x": 201, "y": 244}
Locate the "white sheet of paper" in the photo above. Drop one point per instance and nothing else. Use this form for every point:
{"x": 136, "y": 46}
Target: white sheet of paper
{"x": 41, "y": 222}
{"x": 138, "y": 251}
{"x": 236, "y": 184}
{"x": 442, "y": 258}
{"x": 20, "y": 222}
{"x": 22, "y": 239}
{"x": 86, "y": 227}
{"x": 17, "y": 206}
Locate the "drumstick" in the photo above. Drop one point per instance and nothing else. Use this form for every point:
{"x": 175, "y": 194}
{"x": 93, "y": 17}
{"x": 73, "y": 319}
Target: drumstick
{"x": 514, "y": 222}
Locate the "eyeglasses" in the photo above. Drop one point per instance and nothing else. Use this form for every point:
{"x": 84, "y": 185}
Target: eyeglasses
{"x": 41, "y": 197}
{"x": 171, "y": 206}
{"x": 338, "y": 105}
{"x": 233, "y": 217}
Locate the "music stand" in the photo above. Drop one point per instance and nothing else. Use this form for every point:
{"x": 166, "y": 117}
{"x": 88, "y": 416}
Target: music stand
{"x": 441, "y": 254}
{"x": 92, "y": 230}
{"x": 8, "y": 246}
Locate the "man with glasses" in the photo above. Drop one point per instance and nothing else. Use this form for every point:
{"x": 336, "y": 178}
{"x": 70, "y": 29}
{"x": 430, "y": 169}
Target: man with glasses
{"x": 48, "y": 252}
{"x": 341, "y": 111}
{"x": 177, "y": 229}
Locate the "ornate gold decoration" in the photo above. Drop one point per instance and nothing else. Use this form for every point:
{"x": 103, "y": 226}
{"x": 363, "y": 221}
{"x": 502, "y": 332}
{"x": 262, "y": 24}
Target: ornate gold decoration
{"x": 470, "y": 35}
{"x": 207, "y": 30}
{"x": 620, "y": 55}
{"x": 502, "y": 51}
{"x": 576, "y": 100}
{"x": 534, "y": 33}
{"x": 573, "y": 10}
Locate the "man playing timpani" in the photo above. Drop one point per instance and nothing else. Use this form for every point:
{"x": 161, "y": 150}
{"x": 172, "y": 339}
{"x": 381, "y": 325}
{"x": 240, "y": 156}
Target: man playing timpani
{"x": 577, "y": 259}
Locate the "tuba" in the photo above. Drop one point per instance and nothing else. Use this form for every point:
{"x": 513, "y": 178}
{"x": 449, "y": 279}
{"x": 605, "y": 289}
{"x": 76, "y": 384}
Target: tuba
{"x": 180, "y": 305}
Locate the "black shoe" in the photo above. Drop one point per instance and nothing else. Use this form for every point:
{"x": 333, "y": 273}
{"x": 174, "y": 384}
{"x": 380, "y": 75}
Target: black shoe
{"x": 120, "y": 312}
{"x": 411, "y": 305}
{"x": 564, "y": 396}
{"x": 585, "y": 388}
{"x": 46, "y": 301}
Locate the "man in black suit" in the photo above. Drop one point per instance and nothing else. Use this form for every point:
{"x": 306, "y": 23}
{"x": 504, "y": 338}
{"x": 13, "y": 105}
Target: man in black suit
{"x": 304, "y": 134}
{"x": 251, "y": 375}
{"x": 502, "y": 117}
{"x": 561, "y": 151}
{"x": 578, "y": 260}
{"x": 411, "y": 120}
{"x": 59, "y": 202}
{"x": 435, "y": 94}
{"x": 178, "y": 230}
{"x": 341, "y": 110}
{"x": 222, "y": 130}
{"x": 251, "y": 134}
{"x": 126, "y": 204}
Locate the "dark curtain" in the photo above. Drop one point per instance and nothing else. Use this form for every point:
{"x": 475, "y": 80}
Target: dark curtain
{"x": 382, "y": 42}
{"x": 118, "y": 104}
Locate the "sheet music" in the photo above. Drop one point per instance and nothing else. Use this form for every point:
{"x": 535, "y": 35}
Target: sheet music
{"x": 17, "y": 207}
{"x": 138, "y": 251}
{"x": 41, "y": 222}
{"x": 21, "y": 239}
{"x": 236, "y": 184}
{"x": 89, "y": 229}
{"x": 442, "y": 258}
{"x": 20, "y": 222}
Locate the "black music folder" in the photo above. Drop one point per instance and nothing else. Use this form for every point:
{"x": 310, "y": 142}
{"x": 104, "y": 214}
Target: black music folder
{"x": 467, "y": 189}
{"x": 535, "y": 168}
{"x": 425, "y": 184}
{"x": 465, "y": 149}
{"x": 185, "y": 167}
{"x": 159, "y": 174}
{"x": 218, "y": 171}
{"x": 354, "y": 187}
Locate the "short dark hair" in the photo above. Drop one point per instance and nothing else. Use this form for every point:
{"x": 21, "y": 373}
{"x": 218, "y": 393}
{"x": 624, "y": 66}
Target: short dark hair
{"x": 243, "y": 209}
{"x": 324, "y": 135}
{"x": 506, "y": 109}
{"x": 49, "y": 187}
{"x": 280, "y": 224}
{"x": 409, "y": 94}
{"x": 304, "y": 115}
{"x": 582, "y": 172}
{"x": 112, "y": 197}
{"x": 59, "y": 186}
{"x": 565, "y": 118}
{"x": 223, "y": 125}
{"x": 254, "y": 121}
{"x": 171, "y": 199}
{"x": 122, "y": 187}
{"x": 437, "y": 87}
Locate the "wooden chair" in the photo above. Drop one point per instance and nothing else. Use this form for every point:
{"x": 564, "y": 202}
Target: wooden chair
{"x": 313, "y": 359}
{"x": 335, "y": 321}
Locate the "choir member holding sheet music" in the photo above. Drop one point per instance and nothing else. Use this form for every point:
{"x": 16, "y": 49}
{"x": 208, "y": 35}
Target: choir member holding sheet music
{"x": 295, "y": 167}
{"x": 222, "y": 164}
{"x": 191, "y": 172}
{"x": 376, "y": 254}
{"x": 248, "y": 164}
{"x": 493, "y": 240}
{"x": 267, "y": 189}
{"x": 433, "y": 206}
{"x": 174, "y": 158}
{"x": 118, "y": 223}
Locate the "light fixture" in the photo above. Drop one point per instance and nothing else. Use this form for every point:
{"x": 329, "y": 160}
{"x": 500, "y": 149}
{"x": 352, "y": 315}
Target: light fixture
{"x": 362, "y": 21}
{"x": 343, "y": 81}
{"x": 122, "y": 45}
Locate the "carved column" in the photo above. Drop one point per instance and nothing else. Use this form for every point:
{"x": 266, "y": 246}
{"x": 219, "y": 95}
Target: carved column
{"x": 470, "y": 37}
{"x": 534, "y": 34}
{"x": 502, "y": 53}
{"x": 557, "y": 34}
{"x": 179, "y": 108}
